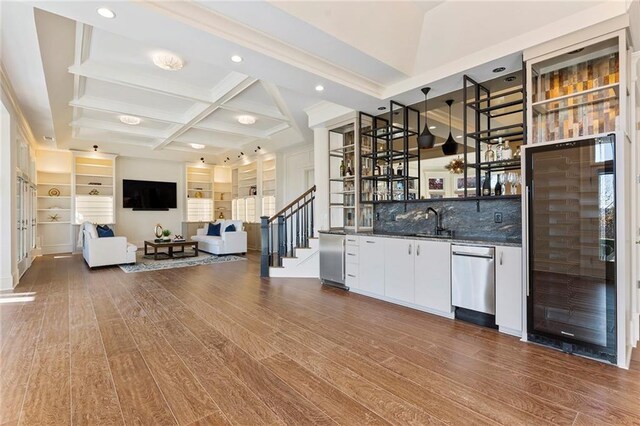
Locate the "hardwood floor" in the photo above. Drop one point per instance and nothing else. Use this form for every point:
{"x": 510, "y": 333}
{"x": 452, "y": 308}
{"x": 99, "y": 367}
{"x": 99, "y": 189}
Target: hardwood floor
{"x": 215, "y": 344}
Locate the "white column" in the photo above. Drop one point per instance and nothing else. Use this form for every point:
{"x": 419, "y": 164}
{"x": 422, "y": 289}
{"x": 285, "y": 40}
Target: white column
{"x": 321, "y": 176}
{"x": 8, "y": 266}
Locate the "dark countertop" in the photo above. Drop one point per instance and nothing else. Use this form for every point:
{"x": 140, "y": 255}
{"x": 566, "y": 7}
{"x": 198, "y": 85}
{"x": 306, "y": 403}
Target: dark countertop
{"x": 476, "y": 241}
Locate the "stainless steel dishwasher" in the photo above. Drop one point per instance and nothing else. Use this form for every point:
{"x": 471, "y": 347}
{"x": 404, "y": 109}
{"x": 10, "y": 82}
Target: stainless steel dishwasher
{"x": 473, "y": 284}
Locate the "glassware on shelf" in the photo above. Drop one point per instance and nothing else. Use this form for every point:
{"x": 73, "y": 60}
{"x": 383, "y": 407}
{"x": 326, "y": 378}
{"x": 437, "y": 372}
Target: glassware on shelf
{"x": 499, "y": 149}
{"x": 489, "y": 154}
{"x": 507, "y": 152}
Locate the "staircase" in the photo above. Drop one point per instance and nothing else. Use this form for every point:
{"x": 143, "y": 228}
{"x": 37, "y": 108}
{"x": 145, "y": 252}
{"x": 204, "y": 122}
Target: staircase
{"x": 289, "y": 245}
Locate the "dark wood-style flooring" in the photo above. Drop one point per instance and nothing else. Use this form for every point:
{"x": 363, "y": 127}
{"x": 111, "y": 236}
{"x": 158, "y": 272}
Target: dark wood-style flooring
{"x": 216, "y": 344}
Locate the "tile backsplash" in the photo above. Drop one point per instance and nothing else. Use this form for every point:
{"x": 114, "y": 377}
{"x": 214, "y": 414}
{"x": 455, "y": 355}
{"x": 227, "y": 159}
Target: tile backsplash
{"x": 470, "y": 219}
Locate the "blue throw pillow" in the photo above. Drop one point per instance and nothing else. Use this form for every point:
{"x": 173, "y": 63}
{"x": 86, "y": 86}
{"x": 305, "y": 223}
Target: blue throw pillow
{"x": 104, "y": 231}
{"x": 214, "y": 229}
{"x": 230, "y": 228}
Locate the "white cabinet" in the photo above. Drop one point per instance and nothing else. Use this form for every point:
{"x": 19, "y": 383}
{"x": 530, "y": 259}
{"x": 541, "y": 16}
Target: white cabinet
{"x": 509, "y": 289}
{"x": 399, "y": 279}
{"x": 372, "y": 265}
{"x": 432, "y": 271}
{"x": 352, "y": 262}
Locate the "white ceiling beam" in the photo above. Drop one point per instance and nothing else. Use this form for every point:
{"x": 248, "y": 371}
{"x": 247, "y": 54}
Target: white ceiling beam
{"x": 229, "y": 87}
{"x": 118, "y": 75}
{"x": 275, "y": 94}
{"x": 118, "y": 128}
{"x": 252, "y": 108}
{"x": 115, "y": 107}
{"x": 279, "y": 128}
{"x": 231, "y": 129}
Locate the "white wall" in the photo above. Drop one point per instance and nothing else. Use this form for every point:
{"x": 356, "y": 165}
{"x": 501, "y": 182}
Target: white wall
{"x": 293, "y": 166}
{"x": 138, "y": 226}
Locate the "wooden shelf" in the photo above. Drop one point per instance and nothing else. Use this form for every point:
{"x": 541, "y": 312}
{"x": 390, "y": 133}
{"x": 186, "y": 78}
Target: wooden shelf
{"x": 53, "y": 223}
{"x": 63, "y": 197}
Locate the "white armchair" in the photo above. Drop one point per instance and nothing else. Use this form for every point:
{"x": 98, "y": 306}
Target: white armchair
{"x": 226, "y": 243}
{"x": 105, "y": 251}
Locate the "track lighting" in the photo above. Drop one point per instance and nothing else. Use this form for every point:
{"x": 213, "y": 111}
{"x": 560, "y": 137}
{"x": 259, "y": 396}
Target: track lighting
{"x": 202, "y": 160}
{"x": 257, "y": 149}
{"x": 95, "y": 148}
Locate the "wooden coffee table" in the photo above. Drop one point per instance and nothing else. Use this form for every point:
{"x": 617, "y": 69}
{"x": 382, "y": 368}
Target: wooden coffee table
{"x": 170, "y": 246}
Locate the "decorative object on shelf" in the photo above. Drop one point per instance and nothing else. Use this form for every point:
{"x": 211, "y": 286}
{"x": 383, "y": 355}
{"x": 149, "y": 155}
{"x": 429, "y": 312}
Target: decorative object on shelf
{"x": 94, "y": 183}
{"x": 455, "y": 166}
{"x": 426, "y": 139}
{"x": 54, "y": 192}
{"x": 343, "y": 170}
{"x": 221, "y": 215}
{"x": 158, "y": 230}
{"x": 167, "y": 234}
{"x": 178, "y": 238}
{"x": 516, "y": 155}
{"x": 497, "y": 190}
{"x": 198, "y": 194}
{"x": 450, "y": 147}
{"x": 489, "y": 154}
{"x": 94, "y": 192}
{"x": 54, "y": 217}
{"x": 507, "y": 152}
{"x": 253, "y": 190}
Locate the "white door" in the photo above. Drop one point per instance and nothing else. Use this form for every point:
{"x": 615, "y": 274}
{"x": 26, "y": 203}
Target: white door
{"x": 372, "y": 265}
{"x": 398, "y": 274}
{"x": 433, "y": 275}
{"x": 509, "y": 288}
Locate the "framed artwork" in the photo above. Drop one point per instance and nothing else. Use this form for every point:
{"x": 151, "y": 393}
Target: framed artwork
{"x": 470, "y": 183}
{"x": 435, "y": 184}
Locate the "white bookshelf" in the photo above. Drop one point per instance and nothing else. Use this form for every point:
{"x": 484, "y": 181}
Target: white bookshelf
{"x": 222, "y": 192}
{"x": 199, "y": 190}
{"x": 93, "y": 188}
{"x": 53, "y": 213}
{"x": 253, "y": 190}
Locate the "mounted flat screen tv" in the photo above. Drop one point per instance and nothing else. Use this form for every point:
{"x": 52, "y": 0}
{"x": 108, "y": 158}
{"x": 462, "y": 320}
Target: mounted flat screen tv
{"x": 148, "y": 195}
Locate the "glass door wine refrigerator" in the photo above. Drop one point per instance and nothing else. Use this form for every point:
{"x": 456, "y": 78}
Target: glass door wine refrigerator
{"x": 572, "y": 253}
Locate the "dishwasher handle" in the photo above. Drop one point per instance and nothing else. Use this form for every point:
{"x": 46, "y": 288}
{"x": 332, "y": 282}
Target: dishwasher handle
{"x": 481, "y": 256}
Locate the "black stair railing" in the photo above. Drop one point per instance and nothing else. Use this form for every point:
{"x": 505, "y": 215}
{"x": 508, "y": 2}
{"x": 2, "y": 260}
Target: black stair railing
{"x": 287, "y": 230}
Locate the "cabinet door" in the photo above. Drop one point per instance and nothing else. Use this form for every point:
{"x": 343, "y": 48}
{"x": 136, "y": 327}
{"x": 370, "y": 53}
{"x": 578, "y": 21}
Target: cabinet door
{"x": 398, "y": 276}
{"x": 372, "y": 265}
{"x": 509, "y": 288}
{"x": 433, "y": 275}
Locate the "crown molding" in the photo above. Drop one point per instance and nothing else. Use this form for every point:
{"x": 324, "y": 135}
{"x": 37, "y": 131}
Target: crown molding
{"x": 10, "y": 94}
{"x": 325, "y": 113}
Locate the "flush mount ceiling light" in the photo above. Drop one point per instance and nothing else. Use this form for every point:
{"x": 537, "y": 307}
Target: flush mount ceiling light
{"x": 319, "y": 88}
{"x": 168, "y": 61}
{"x": 450, "y": 146}
{"x": 432, "y": 127}
{"x": 246, "y": 119}
{"x": 382, "y": 108}
{"x": 130, "y": 120}
{"x": 236, "y": 58}
{"x": 49, "y": 138}
{"x": 197, "y": 146}
{"x": 499, "y": 69}
{"x": 106, "y": 13}
{"x": 459, "y": 137}
{"x": 426, "y": 139}
{"x": 510, "y": 79}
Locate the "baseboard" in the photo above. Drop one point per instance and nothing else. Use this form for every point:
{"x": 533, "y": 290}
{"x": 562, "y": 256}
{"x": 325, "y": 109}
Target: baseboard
{"x": 8, "y": 282}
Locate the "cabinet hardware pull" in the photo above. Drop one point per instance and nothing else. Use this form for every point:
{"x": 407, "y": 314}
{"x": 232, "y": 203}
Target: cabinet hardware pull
{"x": 350, "y": 254}
{"x": 351, "y": 275}
{"x": 501, "y": 253}
{"x": 418, "y": 250}
{"x": 409, "y": 249}
{"x": 371, "y": 242}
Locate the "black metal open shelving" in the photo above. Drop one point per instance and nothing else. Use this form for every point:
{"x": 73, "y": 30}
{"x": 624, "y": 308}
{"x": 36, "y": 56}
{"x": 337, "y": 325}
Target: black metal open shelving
{"x": 483, "y": 108}
{"x": 386, "y": 142}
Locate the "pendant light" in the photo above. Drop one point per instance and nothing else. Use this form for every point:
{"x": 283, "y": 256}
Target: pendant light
{"x": 426, "y": 139}
{"x": 450, "y": 146}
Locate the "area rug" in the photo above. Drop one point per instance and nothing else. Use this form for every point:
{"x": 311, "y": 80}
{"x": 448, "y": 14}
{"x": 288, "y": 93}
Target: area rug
{"x": 144, "y": 264}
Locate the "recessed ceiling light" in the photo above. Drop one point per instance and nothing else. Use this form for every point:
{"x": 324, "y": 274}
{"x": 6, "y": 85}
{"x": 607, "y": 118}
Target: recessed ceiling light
{"x": 499, "y": 69}
{"x": 573, "y": 52}
{"x": 49, "y": 138}
{"x": 236, "y": 58}
{"x": 246, "y": 119}
{"x": 319, "y": 88}
{"x": 197, "y": 146}
{"x": 382, "y": 108}
{"x": 130, "y": 119}
{"x": 432, "y": 127}
{"x": 510, "y": 78}
{"x": 168, "y": 61}
{"x": 106, "y": 13}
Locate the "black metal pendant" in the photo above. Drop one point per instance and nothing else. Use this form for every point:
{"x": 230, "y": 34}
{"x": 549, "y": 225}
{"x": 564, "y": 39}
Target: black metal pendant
{"x": 426, "y": 139}
{"x": 450, "y": 147}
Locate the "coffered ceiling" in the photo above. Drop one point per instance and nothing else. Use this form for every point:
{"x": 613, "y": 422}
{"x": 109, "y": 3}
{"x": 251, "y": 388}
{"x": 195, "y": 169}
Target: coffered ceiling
{"x": 76, "y": 73}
